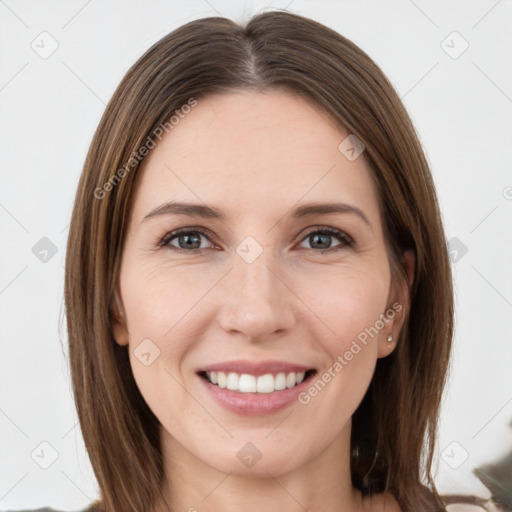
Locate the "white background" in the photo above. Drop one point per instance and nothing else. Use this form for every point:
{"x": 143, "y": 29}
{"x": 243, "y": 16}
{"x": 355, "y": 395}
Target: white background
{"x": 50, "y": 108}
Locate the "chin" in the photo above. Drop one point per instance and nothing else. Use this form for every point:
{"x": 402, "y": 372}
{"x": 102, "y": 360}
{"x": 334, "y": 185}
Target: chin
{"x": 263, "y": 468}
{"x": 255, "y": 459}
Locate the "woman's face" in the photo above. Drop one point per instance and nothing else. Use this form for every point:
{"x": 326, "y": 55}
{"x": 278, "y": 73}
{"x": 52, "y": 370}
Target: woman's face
{"x": 253, "y": 294}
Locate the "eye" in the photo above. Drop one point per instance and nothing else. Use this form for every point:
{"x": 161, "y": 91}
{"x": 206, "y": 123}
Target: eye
{"x": 190, "y": 240}
{"x": 320, "y": 239}
{"x": 187, "y": 240}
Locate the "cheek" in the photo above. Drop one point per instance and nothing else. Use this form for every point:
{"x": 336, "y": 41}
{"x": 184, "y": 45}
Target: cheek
{"x": 162, "y": 310}
{"x": 156, "y": 308}
{"x": 351, "y": 306}
{"x": 347, "y": 306}
{"x": 157, "y": 301}
{"x": 353, "y": 312}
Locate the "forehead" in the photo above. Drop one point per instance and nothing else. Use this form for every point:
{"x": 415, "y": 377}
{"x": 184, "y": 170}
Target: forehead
{"x": 246, "y": 150}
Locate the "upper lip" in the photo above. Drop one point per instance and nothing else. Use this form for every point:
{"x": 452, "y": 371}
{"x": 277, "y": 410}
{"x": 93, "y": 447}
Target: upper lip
{"x": 255, "y": 368}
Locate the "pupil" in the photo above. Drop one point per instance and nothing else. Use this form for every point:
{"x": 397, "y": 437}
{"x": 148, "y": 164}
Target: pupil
{"x": 188, "y": 238}
{"x": 317, "y": 236}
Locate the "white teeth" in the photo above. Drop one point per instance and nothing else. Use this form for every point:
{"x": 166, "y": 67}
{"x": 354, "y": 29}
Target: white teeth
{"x": 290, "y": 380}
{"x": 221, "y": 378}
{"x": 232, "y": 381}
{"x": 265, "y": 383}
{"x": 246, "y": 383}
{"x": 280, "y": 382}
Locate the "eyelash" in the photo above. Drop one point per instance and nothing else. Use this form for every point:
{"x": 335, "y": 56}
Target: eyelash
{"x": 346, "y": 241}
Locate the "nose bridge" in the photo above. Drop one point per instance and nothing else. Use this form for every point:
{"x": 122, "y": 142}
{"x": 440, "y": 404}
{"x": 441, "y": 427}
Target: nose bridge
{"x": 257, "y": 301}
{"x": 254, "y": 275}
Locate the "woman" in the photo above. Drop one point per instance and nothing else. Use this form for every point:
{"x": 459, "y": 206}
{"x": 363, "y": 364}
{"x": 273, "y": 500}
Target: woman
{"x": 258, "y": 291}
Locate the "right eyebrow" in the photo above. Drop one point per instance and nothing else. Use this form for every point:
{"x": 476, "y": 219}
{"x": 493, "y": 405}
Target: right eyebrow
{"x": 181, "y": 208}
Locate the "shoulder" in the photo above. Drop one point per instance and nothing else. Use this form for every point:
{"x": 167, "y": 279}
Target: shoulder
{"x": 92, "y": 507}
{"x": 383, "y": 502}
{"x": 44, "y": 509}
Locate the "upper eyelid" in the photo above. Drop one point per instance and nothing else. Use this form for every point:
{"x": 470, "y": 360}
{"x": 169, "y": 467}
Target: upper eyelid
{"x": 173, "y": 234}
{"x": 176, "y": 232}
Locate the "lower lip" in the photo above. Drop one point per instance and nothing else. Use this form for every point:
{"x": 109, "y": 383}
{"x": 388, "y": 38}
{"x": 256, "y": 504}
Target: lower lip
{"x": 255, "y": 404}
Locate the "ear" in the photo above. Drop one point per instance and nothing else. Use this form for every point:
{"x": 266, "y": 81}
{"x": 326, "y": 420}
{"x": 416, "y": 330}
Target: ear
{"x": 399, "y": 304}
{"x": 118, "y": 318}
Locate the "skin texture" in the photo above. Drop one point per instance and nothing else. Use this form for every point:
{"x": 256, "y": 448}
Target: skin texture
{"x": 256, "y": 156}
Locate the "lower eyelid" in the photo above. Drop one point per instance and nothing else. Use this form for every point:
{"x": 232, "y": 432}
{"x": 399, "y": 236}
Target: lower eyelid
{"x": 170, "y": 237}
{"x": 344, "y": 239}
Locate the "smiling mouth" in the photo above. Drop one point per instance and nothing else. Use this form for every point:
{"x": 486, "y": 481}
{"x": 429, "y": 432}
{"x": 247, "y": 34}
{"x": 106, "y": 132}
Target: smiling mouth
{"x": 261, "y": 384}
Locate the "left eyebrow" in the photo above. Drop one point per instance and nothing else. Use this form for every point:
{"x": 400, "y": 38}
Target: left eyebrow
{"x": 207, "y": 212}
{"x": 308, "y": 210}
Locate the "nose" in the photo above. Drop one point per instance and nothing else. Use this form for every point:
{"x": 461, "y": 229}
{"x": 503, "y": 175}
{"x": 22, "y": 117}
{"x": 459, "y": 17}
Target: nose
{"x": 256, "y": 300}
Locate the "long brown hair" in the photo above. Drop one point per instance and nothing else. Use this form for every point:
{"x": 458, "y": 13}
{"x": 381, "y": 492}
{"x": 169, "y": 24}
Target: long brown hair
{"x": 395, "y": 427}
